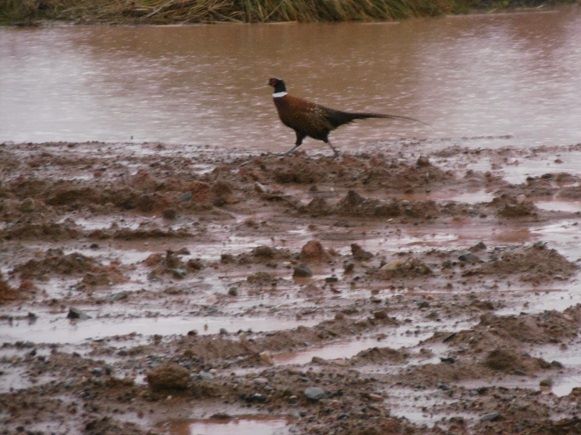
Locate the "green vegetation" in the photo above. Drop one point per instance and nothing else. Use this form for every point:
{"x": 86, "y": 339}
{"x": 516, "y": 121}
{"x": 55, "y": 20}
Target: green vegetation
{"x": 195, "y": 11}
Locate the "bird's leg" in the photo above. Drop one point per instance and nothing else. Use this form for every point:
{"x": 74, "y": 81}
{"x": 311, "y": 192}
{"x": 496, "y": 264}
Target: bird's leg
{"x": 292, "y": 150}
{"x": 298, "y": 143}
{"x": 335, "y": 151}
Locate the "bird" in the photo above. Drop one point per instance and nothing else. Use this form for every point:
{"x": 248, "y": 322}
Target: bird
{"x": 314, "y": 120}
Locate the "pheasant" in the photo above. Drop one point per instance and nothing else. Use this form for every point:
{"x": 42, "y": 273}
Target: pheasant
{"x": 313, "y": 120}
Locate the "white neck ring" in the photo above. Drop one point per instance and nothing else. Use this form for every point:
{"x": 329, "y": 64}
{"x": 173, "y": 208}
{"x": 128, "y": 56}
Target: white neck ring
{"x": 279, "y": 94}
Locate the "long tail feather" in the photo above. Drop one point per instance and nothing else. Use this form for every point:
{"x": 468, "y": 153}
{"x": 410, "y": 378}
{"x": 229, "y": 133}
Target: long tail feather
{"x": 365, "y": 115}
{"x": 337, "y": 117}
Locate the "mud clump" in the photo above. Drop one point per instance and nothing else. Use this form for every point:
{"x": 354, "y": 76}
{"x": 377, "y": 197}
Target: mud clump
{"x": 169, "y": 377}
{"x": 171, "y": 264}
{"x": 7, "y": 293}
{"x": 56, "y": 262}
{"x": 379, "y": 355}
{"x": 509, "y": 361}
{"x": 507, "y": 206}
{"x": 314, "y": 251}
{"x": 353, "y": 204}
{"x": 47, "y": 230}
{"x": 144, "y": 232}
{"x": 406, "y": 268}
{"x": 359, "y": 253}
{"x": 533, "y": 263}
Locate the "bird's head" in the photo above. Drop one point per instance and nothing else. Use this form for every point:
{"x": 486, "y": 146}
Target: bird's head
{"x": 277, "y": 84}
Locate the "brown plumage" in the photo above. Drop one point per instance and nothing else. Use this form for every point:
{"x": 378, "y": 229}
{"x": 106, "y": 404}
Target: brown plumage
{"x": 313, "y": 120}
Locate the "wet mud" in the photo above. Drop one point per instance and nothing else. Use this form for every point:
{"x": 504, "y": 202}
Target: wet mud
{"x": 408, "y": 291}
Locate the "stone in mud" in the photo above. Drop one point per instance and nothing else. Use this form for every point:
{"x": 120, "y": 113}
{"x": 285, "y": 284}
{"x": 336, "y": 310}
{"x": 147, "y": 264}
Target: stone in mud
{"x": 359, "y": 253}
{"x": 314, "y": 251}
{"x": 469, "y": 258}
{"x": 492, "y": 416}
{"x": 169, "y": 214}
{"x": 315, "y": 393}
{"x": 263, "y": 252}
{"x": 302, "y": 271}
{"x": 408, "y": 268}
{"x": 510, "y": 207}
{"x": 76, "y": 314}
{"x": 508, "y": 361}
{"x": 266, "y": 358}
{"x": 28, "y": 205}
{"x": 380, "y": 315}
{"x": 223, "y": 193}
{"x": 261, "y": 278}
{"x": 7, "y": 293}
{"x": 423, "y": 161}
{"x": 168, "y": 377}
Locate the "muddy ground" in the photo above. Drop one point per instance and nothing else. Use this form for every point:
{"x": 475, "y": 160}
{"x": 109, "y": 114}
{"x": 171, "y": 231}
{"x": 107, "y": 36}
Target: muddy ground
{"x": 163, "y": 289}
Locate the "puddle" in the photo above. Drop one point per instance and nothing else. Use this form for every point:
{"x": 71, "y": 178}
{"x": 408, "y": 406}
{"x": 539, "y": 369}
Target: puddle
{"x": 570, "y": 357}
{"x": 518, "y": 173}
{"x": 473, "y": 197}
{"x": 399, "y": 338}
{"x": 557, "y": 205}
{"x": 45, "y": 330}
{"x": 536, "y": 300}
{"x": 425, "y": 407}
{"x": 239, "y": 425}
{"x": 565, "y": 236}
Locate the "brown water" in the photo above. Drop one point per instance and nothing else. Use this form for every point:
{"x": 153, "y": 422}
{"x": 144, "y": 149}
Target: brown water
{"x": 483, "y": 75}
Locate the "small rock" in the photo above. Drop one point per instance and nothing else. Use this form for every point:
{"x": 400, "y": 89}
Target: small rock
{"x": 480, "y": 246}
{"x": 375, "y": 397}
{"x": 380, "y": 315}
{"x": 493, "y": 416}
{"x": 331, "y": 279}
{"x": 359, "y": 253}
{"x": 179, "y": 272}
{"x": 257, "y": 398}
{"x": 261, "y": 381}
{"x": 263, "y": 252}
{"x": 186, "y": 196}
{"x": 302, "y": 271}
{"x": 348, "y": 268}
{"x": 205, "y": 376}
{"x": 117, "y": 296}
{"x": 28, "y": 205}
{"x": 265, "y": 357}
{"x": 422, "y": 162}
{"x": 469, "y": 258}
{"x": 168, "y": 377}
{"x": 314, "y": 251}
{"x": 76, "y": 314}
{"x": 315, "y": 393}
{"x": 169, "y": 214}
{"x": 97, "y": 371}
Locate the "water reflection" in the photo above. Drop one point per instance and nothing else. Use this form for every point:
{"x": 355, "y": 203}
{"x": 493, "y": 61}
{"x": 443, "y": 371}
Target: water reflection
{"x": 206, "y": 85}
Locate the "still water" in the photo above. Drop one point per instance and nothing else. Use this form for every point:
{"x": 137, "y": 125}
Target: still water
{"x": 483, "y": 75}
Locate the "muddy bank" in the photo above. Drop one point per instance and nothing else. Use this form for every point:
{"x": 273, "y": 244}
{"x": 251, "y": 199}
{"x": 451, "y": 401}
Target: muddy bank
{"x": 373, "y": 293}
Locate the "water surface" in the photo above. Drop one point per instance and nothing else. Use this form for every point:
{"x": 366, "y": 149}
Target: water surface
{"x": 483, "y": 75}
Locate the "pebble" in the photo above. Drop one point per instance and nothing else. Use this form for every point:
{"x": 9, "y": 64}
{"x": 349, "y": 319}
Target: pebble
{"x": 261, "y": 381}
{"x": 492, "y": 416}
{"x": 302, "y": 271}
{"x": 206, "y": 376}
{"x": 315, "y": 393}
{"x": 75, "y": 313}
